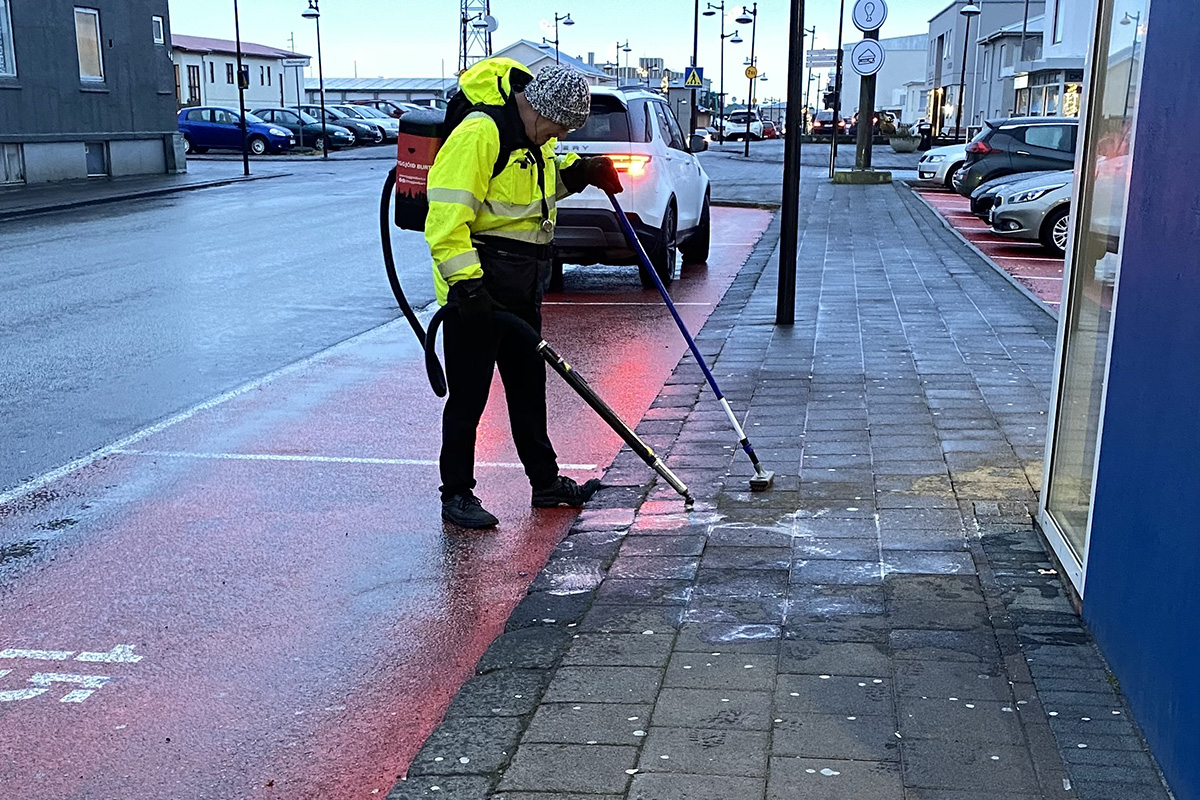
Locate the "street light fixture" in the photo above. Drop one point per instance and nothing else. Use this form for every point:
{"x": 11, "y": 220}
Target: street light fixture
{"x": 313, "y": 12}
{"x": 733, "y": 39}
{"x": 749, "y": 17}
{"x": 565, "y": 20}
{"x": 969, "y": 11}
{"x": 1135, "y": 20}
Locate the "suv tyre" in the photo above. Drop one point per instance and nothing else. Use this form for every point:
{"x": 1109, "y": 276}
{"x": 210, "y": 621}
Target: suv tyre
{"x": 695, "y": 249}
{"x": 662, "y": 255}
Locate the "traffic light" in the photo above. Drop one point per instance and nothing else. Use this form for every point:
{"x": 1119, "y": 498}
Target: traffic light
{"x": 830, "y": 99}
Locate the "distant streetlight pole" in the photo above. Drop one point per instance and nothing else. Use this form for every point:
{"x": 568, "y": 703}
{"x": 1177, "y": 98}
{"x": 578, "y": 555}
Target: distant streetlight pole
{"x": 837, "y": 92}
{"x": 733, "y": 39}
{"x": 1136, "y": 21}
{"x": 237, "y": 33}
{"x": 565, "y": 20}
{"x": 969, "y": 10}
{"x": 695, "y": 56}
{"x": 750, "y": 17}
{"x": 617, "y": 61}
{"x": 313, "y": 12}
{"x": 808, "y": 84}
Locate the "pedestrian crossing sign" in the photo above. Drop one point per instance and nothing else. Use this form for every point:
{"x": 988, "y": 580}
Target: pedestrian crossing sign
{"x": 693, "y": 78}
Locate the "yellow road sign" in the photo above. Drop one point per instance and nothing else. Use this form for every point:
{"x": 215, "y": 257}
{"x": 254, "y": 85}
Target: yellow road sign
{"x": 751, "y": 72}
{"x": 693, "y": 80}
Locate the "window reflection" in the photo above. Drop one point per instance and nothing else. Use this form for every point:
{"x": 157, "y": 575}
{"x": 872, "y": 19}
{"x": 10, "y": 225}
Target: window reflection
{"x": 1095, "y": 258}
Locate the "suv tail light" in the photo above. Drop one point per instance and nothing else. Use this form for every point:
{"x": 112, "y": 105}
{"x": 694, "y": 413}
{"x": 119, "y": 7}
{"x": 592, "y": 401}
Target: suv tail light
{"x": 981, "y": 148}
{"x": 634, "y": 165}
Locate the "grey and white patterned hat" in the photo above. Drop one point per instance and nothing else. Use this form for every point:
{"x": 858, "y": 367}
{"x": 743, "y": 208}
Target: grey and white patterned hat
{"x": 561, "y": 95}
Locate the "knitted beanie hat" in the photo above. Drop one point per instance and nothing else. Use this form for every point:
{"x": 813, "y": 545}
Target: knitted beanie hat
{"x": 561, "y": 95}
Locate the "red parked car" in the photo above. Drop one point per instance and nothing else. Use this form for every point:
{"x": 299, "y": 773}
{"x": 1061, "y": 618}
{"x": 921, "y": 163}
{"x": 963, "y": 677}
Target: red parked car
{"x": 769, "y": 130}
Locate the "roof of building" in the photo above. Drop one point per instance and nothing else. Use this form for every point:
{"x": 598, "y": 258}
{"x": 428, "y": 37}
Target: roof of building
{"x": 1035, "y": 25}
{"x": 203, "y": 44}
{"x": 548, "y": 51}
{"x": 918, "y": 41}
{"x": 382, "y": 84}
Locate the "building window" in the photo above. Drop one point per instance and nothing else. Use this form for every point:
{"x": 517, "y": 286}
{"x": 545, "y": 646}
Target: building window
{"x": 87, "y": 42}
{"x": 262, "y": 75}
{"x": 268, "y": 76}
{"x": 212, "y": 70}
{"x": 193, "y": 84}
{"x": 1059, "y": 11}
{"x": 178, "y": 88}
{"x": 8, "y": 65}
{"x": 159, "y": 32}
{"x": 228, "y": 72}
{"x": 987, "y": 64}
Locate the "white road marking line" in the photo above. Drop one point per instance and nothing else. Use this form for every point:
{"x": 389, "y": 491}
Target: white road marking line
{"x": 37, "y": 655}
{"x": 46, "y": 478}
{"x": 315, "y": 459}
{"x": 606, "y": 303}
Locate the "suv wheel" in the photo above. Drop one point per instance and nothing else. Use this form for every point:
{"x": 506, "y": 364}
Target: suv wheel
{"x": 1056, "y": 230}
{"x": 662, "y": 256}
{"x": 695, "y": 249}
{"x": 950, "y": 173}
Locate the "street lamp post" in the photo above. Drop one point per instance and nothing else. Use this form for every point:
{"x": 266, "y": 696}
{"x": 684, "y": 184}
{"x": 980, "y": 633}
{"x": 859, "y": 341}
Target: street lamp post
{"x": 969, "y": 10}
{"x": 617, "y": 61}
{"x": 735, "y": 39}
{"x": 237, "y": 32}
{"x": 565, "y": 20}
{"x": 313, "y": 12}
{"x": 808, "y": 84}
{"x": 1136, "y": 21}
{"x": 750, "y": 17}
{"x": 837, "y": 92}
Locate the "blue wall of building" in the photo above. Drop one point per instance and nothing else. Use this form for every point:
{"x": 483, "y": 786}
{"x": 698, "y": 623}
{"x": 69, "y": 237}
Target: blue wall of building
{"x": 1142, "y": 597}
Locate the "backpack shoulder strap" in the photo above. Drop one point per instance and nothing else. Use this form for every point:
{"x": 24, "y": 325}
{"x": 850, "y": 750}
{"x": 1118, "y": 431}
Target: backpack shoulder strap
{"x": 508, "y": 142}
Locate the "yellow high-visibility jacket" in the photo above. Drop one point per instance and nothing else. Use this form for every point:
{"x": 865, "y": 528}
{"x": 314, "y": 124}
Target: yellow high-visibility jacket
{"x": 465, "y": 201}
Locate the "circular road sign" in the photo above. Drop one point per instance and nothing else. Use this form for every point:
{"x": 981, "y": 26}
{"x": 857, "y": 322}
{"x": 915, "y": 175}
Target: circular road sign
{"x": 869, "y": 15}
{"x": 867, "y": 57}
{"x": 751, "y": 72}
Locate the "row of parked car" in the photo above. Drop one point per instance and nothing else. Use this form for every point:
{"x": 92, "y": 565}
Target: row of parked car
{"x": 275, "y": 129}
{"x": 1018, "y": 174}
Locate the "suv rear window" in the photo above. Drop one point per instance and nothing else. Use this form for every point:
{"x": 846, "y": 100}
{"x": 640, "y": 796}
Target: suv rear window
{"x": 1051, "y": 137}
{"x": 608, "y": 122}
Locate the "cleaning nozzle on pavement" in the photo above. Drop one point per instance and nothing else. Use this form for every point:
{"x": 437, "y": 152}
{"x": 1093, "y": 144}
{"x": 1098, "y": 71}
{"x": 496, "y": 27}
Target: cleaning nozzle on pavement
{"x": 762, "y": 481}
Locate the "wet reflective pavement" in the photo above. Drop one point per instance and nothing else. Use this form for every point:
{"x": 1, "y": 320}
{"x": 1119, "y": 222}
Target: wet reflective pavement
{"x": 257, "y": 598}
{"x": 1029, "y": 264}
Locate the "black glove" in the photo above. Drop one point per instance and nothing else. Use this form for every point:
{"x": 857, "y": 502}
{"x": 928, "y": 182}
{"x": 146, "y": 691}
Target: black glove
{"x": 599, "y": 171}
{"x": 472, "y": 300}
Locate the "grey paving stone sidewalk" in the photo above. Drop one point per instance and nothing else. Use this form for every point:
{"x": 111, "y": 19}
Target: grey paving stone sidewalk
{"x": 884, "y": 624}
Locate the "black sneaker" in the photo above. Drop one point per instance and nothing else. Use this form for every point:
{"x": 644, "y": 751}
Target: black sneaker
{"x": 466, "y": 511}
{"x": 564, "y": 492}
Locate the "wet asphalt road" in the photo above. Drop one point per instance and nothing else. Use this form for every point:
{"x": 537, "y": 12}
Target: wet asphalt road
{"x": 115, "y": 316}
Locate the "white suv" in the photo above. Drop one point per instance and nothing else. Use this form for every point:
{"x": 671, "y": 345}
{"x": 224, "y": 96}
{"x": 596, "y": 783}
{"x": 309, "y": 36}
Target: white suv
{"x": 734, "y": 126}
{"x": 666, "y": 190}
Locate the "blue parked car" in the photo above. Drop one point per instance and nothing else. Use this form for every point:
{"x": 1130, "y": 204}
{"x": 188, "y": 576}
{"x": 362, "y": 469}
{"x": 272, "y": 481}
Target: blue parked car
{"x": 205, "y": 128}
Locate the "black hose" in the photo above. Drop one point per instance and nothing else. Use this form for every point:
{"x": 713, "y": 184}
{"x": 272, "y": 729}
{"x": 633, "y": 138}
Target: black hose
{"x": 385, "y": 236}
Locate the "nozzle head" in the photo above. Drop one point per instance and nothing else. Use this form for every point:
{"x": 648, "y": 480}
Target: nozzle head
{"x": 763, "y": 481}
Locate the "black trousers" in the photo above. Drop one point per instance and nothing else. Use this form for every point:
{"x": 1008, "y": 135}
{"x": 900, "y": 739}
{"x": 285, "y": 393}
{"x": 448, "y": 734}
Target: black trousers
{"x": 514, "y": 275}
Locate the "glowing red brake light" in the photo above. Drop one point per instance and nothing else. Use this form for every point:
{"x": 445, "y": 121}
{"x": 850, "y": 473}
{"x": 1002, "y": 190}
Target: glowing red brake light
{"x": 634, "y": 165}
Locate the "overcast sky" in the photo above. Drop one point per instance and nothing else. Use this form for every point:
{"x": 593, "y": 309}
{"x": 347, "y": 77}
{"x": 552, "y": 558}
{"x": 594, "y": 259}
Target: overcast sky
{"x": 411, "y": 38}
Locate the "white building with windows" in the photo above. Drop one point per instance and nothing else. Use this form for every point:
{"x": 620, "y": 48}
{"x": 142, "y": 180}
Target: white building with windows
{"x": 206, "y": 73}
{"x": 903, "y": 63}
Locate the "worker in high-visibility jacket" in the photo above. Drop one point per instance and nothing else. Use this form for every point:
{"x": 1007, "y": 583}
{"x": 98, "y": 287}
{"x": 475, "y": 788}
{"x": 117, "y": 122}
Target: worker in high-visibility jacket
{"x": 492, "y": 193}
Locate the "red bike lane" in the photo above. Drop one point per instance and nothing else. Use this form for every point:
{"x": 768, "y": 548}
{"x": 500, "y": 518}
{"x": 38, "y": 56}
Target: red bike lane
{"x": 259, "y": 599}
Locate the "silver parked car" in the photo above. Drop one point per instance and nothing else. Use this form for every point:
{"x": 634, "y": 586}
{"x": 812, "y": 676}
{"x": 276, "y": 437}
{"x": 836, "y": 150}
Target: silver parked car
{"x": 1037, "y": 210}
{"x": 941, "y": 164}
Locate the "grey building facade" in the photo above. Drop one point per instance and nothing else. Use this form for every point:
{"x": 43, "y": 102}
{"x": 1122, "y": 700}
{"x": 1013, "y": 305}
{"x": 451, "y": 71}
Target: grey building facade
{"x": 948, "y": 83}
{"x": 86, "y": 90}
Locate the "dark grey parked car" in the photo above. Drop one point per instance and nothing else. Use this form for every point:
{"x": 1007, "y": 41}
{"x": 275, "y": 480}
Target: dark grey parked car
{"x": 1019, "y": 144}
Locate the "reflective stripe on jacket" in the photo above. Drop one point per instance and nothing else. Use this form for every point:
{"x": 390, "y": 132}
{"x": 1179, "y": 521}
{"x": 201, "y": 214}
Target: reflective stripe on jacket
{"x": 465, "y": 201}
